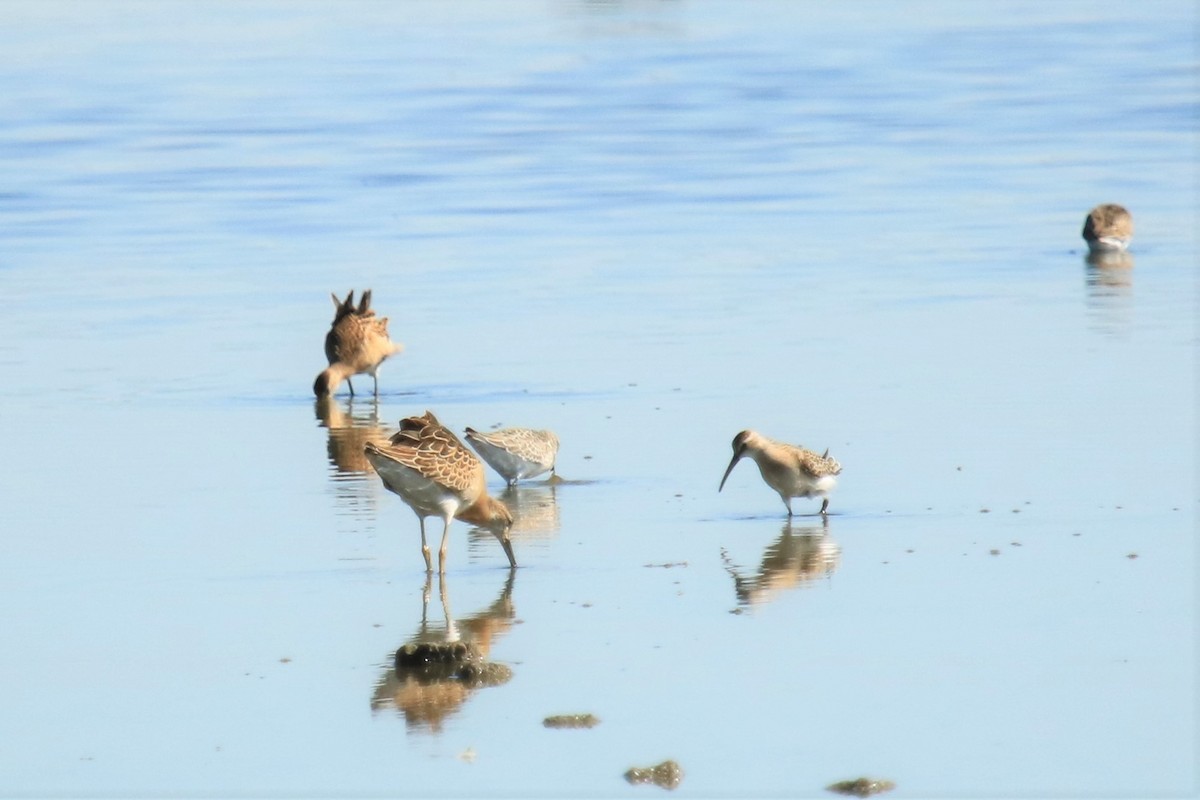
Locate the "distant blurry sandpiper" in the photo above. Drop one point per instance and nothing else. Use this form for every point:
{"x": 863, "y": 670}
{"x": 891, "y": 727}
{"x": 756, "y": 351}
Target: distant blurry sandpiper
{"x": 432, "y": 471}
{"x": 357, "y": 343}
{"x": 516, "y": 453}
{"x": 1108, "y": 227}
{"x": 790, "y": 470}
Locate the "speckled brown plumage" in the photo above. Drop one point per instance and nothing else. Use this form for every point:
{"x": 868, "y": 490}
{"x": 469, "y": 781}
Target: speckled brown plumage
{"x": 790, "y": 470}
{"x": 436, "y": 475}
{"x": 357, "y": 343}
{"x": 425, "y": 445}
{"x": 1108, "y": 227}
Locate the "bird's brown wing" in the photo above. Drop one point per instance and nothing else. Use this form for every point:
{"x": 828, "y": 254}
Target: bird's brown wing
{"x": 425, "y": 445}
{"x": 814, "y": 465}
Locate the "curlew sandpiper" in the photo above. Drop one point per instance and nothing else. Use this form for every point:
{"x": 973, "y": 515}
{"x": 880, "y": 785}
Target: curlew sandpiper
{"x": 790, "y": 470}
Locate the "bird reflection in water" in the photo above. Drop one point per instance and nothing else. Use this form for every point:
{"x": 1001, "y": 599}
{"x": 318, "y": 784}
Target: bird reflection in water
{"x": 800, "y": 556}
{"x": 534, "y": 508}
{"x": 444, "y": 663}
{"x": 349, "y": 429}
{"x": 1109, "y": 278}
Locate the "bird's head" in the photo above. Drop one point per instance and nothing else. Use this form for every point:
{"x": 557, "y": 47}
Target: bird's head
{"x": 740, "y": 443}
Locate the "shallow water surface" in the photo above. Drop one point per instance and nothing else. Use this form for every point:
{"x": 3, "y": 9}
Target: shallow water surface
{"x": 645, "y": 226}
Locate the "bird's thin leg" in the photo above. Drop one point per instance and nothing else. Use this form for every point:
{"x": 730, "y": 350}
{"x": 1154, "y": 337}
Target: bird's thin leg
{"x": 787, "y": 501}
{"x": 351, "y": 385}
{"x": 425, "y": 548}
{"x": 444, "y": 547}
{"x": 825, "y": 506}
{"x": 375, "y": 378}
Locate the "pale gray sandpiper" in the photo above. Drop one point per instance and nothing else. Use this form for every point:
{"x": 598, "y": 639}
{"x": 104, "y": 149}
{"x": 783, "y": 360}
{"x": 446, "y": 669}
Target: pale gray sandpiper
{"x": 516, "y": 453}
{"x": 1108, "y": 227}
{"x": 790, "y": 470}
{"x": 357, "y": 343}
{"x": 437, "y": 476}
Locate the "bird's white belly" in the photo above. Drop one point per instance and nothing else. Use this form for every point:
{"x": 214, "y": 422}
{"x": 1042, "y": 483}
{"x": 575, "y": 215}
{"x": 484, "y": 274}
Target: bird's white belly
{"x": 1109, "y": 243}
{"x": 426, "y": 497}
{"x": 824, "y": 485}
{"x": 795, "y": 484}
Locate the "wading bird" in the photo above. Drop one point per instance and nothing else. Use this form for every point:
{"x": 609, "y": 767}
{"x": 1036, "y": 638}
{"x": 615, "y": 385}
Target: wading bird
{"x": 357, "y": 343}
{"x": 790, "y": 470}
{"x": 438, "y": 476}
{"x": 516, "y": 453}
{"x": 1108, "y": 227}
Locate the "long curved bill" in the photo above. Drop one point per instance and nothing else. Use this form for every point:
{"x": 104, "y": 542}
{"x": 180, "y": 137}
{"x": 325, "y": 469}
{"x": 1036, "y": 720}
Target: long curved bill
{"x": 507, "y": 545}
{"x": 729, "y": 469}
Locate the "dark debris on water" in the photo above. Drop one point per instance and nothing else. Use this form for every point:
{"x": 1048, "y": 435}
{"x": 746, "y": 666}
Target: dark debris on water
{"x": 668, "y": 774}
{"x": 571, "y": 721}
{"x": 861, "y": 787}
{"x": 433, "y": 663}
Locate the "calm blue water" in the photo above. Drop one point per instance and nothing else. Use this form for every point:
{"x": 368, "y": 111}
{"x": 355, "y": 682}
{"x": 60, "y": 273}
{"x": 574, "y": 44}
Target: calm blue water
{"x": 647, "y": 226}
